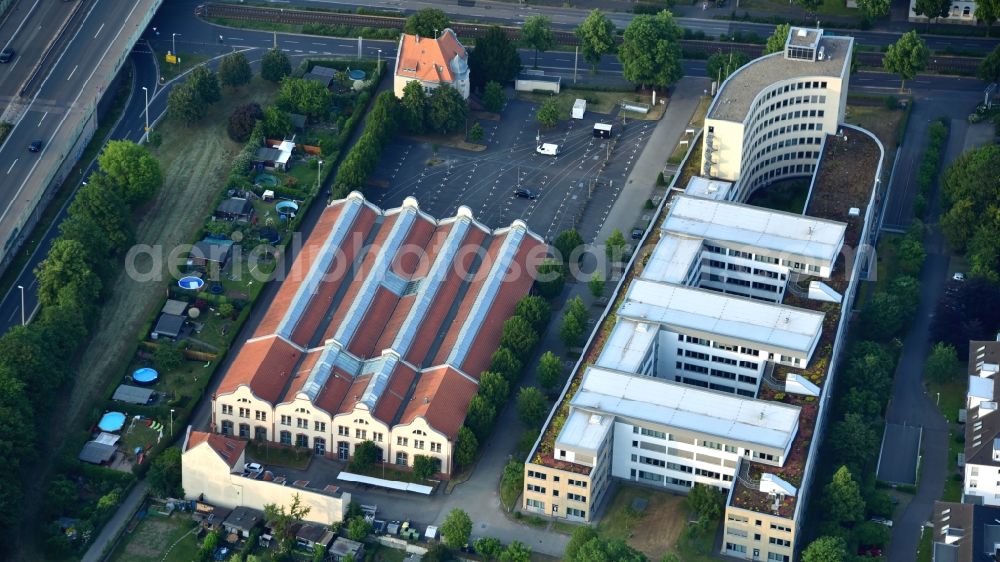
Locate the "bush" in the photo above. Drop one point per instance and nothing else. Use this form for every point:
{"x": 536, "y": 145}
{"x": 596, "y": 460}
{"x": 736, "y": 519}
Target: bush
{"x": 242, "y": 121}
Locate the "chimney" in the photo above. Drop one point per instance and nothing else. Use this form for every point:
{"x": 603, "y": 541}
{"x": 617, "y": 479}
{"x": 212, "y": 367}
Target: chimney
{"x": 418, "y": 38}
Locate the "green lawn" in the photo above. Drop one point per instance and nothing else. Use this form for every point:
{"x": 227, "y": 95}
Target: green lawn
{"x": 828, "y": 8}
{"x": 698, "y": 546}
{"x": 510, "y": 490}
{"x": 279, "y": 456}
{"x": 925, "y": 549}
{"x": 154, "y": 536}
{"x": 169, "y": 71}
{"x": 381, "y": 553}
{"x": 653, "y": 531}
{"x": 789, "y": 196}
{"x": 952, "y": 398}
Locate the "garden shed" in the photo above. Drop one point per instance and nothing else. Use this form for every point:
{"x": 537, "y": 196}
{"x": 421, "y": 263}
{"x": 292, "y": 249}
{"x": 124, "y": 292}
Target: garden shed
{"x": 132, "y": 394}
{"x": 210, "y": 250}
{"x": 96, "y": 452}
{"x": 235, "y": 209}
{"x": 168, "y": 326}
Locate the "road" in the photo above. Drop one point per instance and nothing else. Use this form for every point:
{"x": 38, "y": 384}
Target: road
{"x": 569, "y": 18}
{"x": 27, "y": 29}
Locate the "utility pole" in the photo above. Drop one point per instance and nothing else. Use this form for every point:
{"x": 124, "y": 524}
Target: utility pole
{"x": 576, "y": 59}
{"x": 359, "y": 47}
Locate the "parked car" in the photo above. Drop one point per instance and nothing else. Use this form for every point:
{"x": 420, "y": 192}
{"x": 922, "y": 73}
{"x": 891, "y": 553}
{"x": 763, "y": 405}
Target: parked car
{"x": 637, "y": 233}
{"x": 525, "y": 193}
{"x": 7, "y": 55}
{"x": 35, "y": 146}
{"x": 253, "y": 467}
{"x": 882, "y": 520}
{"x": 958, "y": 276}
{"x": 548, "y": 149}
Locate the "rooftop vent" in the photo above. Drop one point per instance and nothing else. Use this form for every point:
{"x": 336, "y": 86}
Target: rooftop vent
{"x": 854, "y": 212}
{"x": 801, "y": 32}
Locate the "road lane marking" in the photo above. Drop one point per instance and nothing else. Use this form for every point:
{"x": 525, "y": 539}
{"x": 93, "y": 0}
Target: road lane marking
{"x": 16, "y": 60}
{"x": 12, "y": 165}
{"x": 98, "y": 31}
{"x": 42, "y": 119}
{"x": 24, "y": 21}
{"x": 72, "y": 72}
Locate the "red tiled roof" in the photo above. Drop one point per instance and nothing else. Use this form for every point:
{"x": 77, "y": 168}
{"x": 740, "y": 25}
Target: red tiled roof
{"x": 392, "y": 397}
{"x": 375, "y": 318}
{"x": 441, "y": 397}
{"x": 334, "y": 391}
{"x": 354, "y": 393}
{"x": 428, "y": 59}
{"x": 414, "y": 251}
{"x": 228, "y": 448}
{"x": 264, "y": 364}
{"x": 444, "y": 300}
{"x": 391, "y": 328}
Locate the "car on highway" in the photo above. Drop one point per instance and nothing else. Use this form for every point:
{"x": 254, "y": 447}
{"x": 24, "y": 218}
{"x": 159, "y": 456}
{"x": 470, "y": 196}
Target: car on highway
{"x": 525, "y": 193}
{"x": 7, "y": 55}
{"x": 35, "y": 146}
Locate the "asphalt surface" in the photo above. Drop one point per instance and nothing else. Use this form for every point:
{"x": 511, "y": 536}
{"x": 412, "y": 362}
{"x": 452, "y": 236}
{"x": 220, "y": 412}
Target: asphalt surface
{"x": 27, "y": 28}
{"x": 568, "y": 18}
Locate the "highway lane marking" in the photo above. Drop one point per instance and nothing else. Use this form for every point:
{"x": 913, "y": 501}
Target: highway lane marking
{"x": 24, "y": 21}
{"x": 12, "y": 165}
{"x": 72, "y": 72}
{"x": 42, "y": 119}
{"x": 98, "y": 31}
{"x": 16, "y": 60}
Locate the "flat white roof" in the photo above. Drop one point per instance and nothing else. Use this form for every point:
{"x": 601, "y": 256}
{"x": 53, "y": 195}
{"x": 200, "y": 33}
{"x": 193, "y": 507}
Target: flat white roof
{"x": 708, "y": 188}
{"x": 785, "y": 233}
{"x": 734, "y": 318}
{"x": 689, "y": 408}
{"x": 671, "y": 260}
{"x": 980, "y": 387}
{"x": 627, "y": 346}
{"x": 584, "y": 430}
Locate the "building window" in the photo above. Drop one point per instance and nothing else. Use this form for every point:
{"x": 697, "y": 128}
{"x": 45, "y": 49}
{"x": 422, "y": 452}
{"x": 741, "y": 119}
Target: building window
{"x": 244, "y": 412}
{"x": 245, "y": 430}
{"x": 649, "y": 432}
{"x": 302, "y": 423}
{"x": 534, "y": 488}
{"x": 261, "y": 416}
{"x": 775, "y": 557}
{"x": 537, "y": 475}
{"x": 577, "y": 498}
{"x": 779, "y": 542}
{"x": 376, "y": 437}
{"x": 573, "y": 512}
{"x": 737, "y": 548}
{"x": 227, "y": 427}
{"x": 435, "y": 447}
{"x": 402, "y": 459}
{"x": 418, "y": 444}
{"x": 402, "y": 441}
{"x": 577, "y": 483}
{"x": 286, "y": 438}
{"x": 536, "y": 504}
{"x": 260, "y": 433}
{"x": 227, "y": 409}
{"x": 286, "y": 420}
{"x": 319, "y": 426}
{"x": 361, "y": 434}
{"x": 342, "y": 430}
{"x": 319, "y": 446}
{"x": 301, "y": 440}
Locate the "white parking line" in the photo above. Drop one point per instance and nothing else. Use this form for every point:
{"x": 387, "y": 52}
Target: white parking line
{"x": 42, "y": 119}
{"x": 12, "y": 165}
{"x": 98, "y": 31}
{"x": 72, "y": 72}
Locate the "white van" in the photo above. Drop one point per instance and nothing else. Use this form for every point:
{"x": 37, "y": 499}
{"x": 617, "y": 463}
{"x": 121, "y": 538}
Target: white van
{"x": 548, "y": 149}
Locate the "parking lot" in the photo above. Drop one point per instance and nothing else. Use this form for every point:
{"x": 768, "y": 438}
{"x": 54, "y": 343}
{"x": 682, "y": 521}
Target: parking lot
{"x": 575, "y": 189}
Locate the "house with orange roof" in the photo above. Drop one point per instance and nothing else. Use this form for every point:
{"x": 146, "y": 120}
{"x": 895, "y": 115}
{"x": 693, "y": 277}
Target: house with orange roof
{"x": 432, "y": 62}
{"x": 378, "y": 333}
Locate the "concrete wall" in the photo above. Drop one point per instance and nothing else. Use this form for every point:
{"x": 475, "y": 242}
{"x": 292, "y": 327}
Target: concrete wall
{"x": 532, "y": 85}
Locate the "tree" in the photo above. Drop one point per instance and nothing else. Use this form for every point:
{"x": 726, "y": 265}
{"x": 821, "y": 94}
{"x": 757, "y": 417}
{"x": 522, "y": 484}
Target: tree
{"x": 480, "y": 417}
{"x": 907, "y": 56}
{"x": 234, "y": 70}
{"x": 358, "y": 528}
{"x": 282, "y": 522}
{"x": 428, "y": 22}
{"x": 596, "y": 284}
{"x": 550, "y": 370}
{"x": 989, "y": 67}
{"x": 208, "y": 546}
{"x": 494, "y": 58}
{"x": 871, "y": 533}
{"x": 413, "y": 107}
{"x": 988, "y": 11}
{"x": 205, "y": 84}
{"x": 424, "y": 466}
{"x": 548, "y": 113}
{"x": 910, "y": 255}
{"x": 650, "y": 52}
{"x": 465, "y": 447}
{"x": 518, "y": 336}
{"x": 907, "y": 290}
{"x": 476, "y": 133}
{"x": 488, "y": 547}
{"x": 505, "y": 363}
{"x": 942, "y": 363}
{"x": 319, "y": 554}
{"x": 494, "y": 97}
{"x": 566, "y": 243}
{"x": 307, "y": 97}
{"x": 183, "y": 104}
{"x": 437, "y": 553}
{"x": 874, "y": 9}
{"x": 535, "y": 310}
{"x": 551, "y": 278}
{"x": 365, "y": 456}
{"x": 446, "y": 110}
{"x": 131, "y": 170}
{"x": 531, "y": 406}
{"x": 597, "y": 37}
{"x": 853, "y": 441}
{"x": 494, "y": 387}
{"x": 537, "y": 34}
{"x": 600, "y": 550}
{"x": 167, "y": 357}
{"x": 707, "y": 502}
{"x": 826, "y": 549}
{"x": 721, "y": 65}
{"x": 516, "y": 552}
{"x": 65, "y": 277}
{"x": 571, "y": 331}
{"x": 776, "y": 42}
{"x": 883, "y": 317}
{"x": 614, "y": 247}
{"x": 575, "y": 307}
{"x": 456, "y": 529}
{"x": 164, "y": 475}
{"x": 967, "y": 200}
{"x": 842, "y": 500}
{"x": 862, "y": 401}
{"x": 242, "y": 121}
{"x": 932, "y": 9}
{"x": 86, "y": 231}
{"x": 580, "y": 537}
{"x": 277, "y": 123}
{"x": 274, "y": 65}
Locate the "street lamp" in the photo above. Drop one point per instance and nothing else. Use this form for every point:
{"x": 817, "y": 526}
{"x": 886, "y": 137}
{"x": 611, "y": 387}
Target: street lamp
{"x": 21, "y": 287}
{"x": 171, "y": 422}
{"x": 378, "y": 60}
{"x": 173, "y": 40}
{"x": 319, "y": 173}
{"x": 145, "y": 91}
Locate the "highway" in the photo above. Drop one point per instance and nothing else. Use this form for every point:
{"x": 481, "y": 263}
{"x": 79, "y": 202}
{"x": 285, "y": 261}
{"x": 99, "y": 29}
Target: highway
{"x": 28, "y": 29}
{"x": 569, "y": 18}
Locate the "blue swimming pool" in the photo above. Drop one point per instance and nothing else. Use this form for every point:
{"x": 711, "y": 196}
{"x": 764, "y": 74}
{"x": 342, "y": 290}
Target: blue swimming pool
{"x": 112, "y": 421}
{"x": 145, "y": 375}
